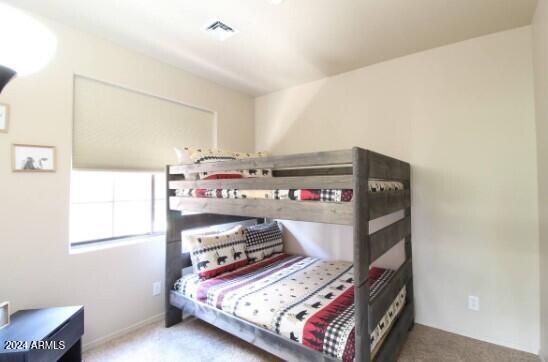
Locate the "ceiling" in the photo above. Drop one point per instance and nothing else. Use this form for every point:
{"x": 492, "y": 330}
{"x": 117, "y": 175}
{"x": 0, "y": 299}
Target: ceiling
{"x": 283, "y": 45}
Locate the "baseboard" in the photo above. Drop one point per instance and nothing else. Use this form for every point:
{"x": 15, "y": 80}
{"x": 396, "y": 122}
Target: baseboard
{"x": 122, "y": 332}
{"x": 482, "y": 339}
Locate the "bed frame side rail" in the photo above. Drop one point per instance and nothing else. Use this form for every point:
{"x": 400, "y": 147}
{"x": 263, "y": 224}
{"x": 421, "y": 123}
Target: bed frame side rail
{"x": 267, "y": 340}
{"x": 327, "y": 158}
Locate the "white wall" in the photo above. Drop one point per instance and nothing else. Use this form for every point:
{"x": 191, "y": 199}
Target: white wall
{"x": 36, "y": 269}
{"x": 540, "y": 57}
{"x": 463, "y": 116}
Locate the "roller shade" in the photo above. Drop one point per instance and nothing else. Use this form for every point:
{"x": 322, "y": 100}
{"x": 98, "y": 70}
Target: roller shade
{"x": 121, "y": 129}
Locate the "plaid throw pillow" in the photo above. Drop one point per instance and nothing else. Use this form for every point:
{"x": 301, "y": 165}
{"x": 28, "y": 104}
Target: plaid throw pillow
{"x": 262, "y": 241}
{"x": 216, "y": 253}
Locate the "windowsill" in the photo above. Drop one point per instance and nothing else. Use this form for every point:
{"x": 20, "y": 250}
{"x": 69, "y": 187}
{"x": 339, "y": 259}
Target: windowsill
{"x": 102, "y": 245}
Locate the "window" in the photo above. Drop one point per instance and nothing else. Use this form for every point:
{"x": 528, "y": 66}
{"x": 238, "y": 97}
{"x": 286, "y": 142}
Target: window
{"x": 116, "y": 205}
{"x": 117, "y": 129}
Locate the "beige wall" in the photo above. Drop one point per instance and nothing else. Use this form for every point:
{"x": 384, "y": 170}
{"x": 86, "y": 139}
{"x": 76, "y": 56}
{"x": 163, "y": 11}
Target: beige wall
{"x": 540, "y": 57}
{"x": 36, "y": 269}
{"x": 463, "y": 116}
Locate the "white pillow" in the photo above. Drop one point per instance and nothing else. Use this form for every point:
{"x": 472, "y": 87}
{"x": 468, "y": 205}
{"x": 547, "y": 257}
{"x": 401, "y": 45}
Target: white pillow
{"x": 188, "y": 155}
{"x": 214, "y": 253}
{"x": 183, "y": 157}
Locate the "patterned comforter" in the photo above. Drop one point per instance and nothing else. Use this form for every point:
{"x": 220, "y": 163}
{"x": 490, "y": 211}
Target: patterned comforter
{"x": 324, "y": 195}
{"x": 308, "y": 300}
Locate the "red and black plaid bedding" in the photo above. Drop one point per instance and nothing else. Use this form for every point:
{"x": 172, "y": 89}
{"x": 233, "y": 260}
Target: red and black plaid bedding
{"x": 323, "y": 195}
{"x": 305, "y": 299}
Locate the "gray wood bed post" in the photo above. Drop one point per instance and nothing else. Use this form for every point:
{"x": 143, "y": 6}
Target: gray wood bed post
{"x": 361, "y": 252}
{"x": 174, "y": 261}
{"x": 409, "y": 256}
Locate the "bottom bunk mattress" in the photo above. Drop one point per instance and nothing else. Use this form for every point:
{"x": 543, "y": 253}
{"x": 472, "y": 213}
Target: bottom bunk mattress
{"x": 305, "y": 299}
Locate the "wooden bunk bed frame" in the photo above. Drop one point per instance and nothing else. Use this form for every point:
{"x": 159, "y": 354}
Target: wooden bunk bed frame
{"x": 346, "y": 169}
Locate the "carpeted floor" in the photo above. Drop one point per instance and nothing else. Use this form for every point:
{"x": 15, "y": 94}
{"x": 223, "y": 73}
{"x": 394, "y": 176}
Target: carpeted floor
{"x": 194, "y": 340}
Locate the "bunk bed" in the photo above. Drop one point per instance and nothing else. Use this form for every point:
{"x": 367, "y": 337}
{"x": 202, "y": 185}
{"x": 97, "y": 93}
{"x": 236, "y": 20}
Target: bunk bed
{"x": 343, "y": 170}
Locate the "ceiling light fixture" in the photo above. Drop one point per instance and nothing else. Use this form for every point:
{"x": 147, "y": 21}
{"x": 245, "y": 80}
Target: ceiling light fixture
{"x": 25, "y": 44}
{"x": 220, "y": 30}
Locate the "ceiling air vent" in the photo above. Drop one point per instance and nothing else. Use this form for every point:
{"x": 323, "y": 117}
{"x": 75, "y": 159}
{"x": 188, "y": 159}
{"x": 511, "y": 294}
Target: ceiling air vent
{"x": 220, "y": 30}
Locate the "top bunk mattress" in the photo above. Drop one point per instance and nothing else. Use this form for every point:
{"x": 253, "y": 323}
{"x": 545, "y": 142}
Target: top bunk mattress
{"x": 305, "y": 299}
{"x": 323, "y": 195}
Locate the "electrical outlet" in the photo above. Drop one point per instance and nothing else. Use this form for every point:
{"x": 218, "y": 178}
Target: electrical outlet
{"x": 156, "y": 288}
{"x": 473, "y": 303}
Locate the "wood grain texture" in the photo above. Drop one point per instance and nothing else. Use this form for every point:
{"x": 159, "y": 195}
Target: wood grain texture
{"x": 174, "y": 262}
{"x": 387, "y": 202}
{"x": 384, "y": 239}
{"x": 387, "y": 168}
{"x": 313, "y": 171}
{"x": 384, "y": 299}
{"x": 327, "y": 158}
{"x": 394, "y": 342}
{"x": 269, "y": 183}
{"x": 361, "y": 253}
{"x": 409, "y": 255}
{"x": 314, "y": 211}
{"x": 174, "y": 267}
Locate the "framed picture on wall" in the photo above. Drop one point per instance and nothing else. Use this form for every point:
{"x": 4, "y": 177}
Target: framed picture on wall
{"x": 4, "y": 117}
{"x": 33, "y": 158}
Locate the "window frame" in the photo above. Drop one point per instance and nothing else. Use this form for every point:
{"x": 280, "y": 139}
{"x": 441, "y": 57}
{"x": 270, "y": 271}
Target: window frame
{"x": 153, "y": 218}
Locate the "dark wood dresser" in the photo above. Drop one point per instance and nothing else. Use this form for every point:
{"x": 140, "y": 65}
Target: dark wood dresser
{"x": 44, "y": 335}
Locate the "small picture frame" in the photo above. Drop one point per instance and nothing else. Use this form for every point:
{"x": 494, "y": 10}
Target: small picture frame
{"x": 4, "y": 117}
{"x": 33, "y": 158}
{"x": 4, "y": 314}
